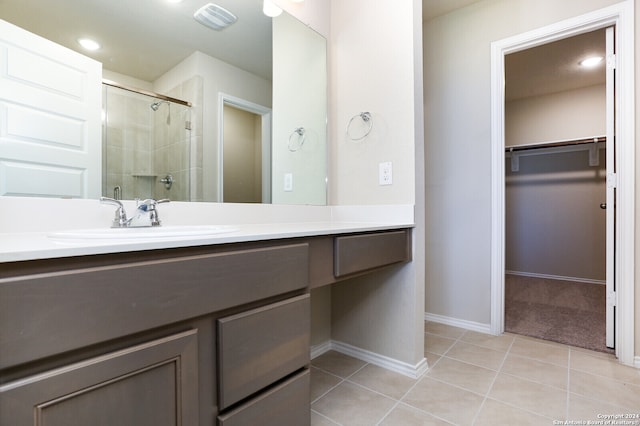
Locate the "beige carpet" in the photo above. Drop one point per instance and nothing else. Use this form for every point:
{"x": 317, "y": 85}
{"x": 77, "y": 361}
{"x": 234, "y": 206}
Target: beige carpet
{"x": 567, "y": 312}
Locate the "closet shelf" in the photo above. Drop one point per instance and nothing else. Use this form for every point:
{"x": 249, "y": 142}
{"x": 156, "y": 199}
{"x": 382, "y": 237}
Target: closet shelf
{"x": 593, "y": 145}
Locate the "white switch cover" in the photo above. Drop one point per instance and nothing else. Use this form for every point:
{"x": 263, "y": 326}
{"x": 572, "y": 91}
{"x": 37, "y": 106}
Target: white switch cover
{"x": 288, "y": 182}
{"x": 385, "y": 175}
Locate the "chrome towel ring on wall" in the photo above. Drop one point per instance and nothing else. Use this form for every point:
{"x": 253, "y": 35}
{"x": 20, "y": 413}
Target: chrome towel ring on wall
{"x": 367, "y": 122}
{"x": 297, "y": 142}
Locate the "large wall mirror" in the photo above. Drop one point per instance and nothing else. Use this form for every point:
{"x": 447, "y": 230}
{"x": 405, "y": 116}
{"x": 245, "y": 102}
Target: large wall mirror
{"x": 193, "y": 113}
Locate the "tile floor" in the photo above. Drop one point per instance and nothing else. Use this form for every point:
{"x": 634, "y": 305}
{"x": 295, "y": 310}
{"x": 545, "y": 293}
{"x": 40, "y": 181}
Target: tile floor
{"x": 476, "y": 379}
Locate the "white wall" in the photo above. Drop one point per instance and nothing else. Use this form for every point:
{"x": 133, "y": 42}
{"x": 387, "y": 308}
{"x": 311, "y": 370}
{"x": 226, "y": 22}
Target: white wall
{"x": 376, "y": 66}
{"x": 572, "y": 114}
{"x": 554, "y": 223}
{"x": 457, "y": 80}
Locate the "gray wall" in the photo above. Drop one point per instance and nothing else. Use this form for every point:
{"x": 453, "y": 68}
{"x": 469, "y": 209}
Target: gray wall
{"x": 554, "y": 225}
{"x": 457, "y": 71}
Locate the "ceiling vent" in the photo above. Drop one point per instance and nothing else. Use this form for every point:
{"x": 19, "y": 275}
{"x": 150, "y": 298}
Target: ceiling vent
{"x": 214, "y": 16}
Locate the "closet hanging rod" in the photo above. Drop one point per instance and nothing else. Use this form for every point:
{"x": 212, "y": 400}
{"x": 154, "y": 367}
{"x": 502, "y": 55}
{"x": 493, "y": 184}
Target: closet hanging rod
{"x": 556, "y": 144}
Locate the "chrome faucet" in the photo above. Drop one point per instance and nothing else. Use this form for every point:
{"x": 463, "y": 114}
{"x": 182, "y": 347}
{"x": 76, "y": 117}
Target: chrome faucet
{"x": 120, "y": 220}
{"x": 146, "y": 213}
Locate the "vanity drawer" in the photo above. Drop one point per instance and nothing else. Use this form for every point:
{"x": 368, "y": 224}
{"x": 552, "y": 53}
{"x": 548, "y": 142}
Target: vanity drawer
{"x": 258, "y": 347}
{"x": 81, "y": 306}
{"x": 357, "y": 253}
{"x": 284, "y": 404}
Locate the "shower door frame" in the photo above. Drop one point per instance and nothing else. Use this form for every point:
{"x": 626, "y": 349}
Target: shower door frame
{"x": 621, "y": 16}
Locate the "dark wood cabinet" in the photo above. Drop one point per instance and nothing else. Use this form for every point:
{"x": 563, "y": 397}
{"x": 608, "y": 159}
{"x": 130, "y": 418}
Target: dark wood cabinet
{"x": 187, "y": 336}
{"x": 151, "y": 384}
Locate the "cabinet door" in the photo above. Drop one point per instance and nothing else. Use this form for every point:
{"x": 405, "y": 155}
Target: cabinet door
{"x": 152, "y": 384}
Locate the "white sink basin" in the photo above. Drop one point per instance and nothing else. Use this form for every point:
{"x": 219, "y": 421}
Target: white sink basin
{"x": 156, "y": 232}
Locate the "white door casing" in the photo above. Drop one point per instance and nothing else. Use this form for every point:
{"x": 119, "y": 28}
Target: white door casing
{"x": 611, "y": 189}
{"x": 620, "y": 16}
{"x": 50, "y": 118}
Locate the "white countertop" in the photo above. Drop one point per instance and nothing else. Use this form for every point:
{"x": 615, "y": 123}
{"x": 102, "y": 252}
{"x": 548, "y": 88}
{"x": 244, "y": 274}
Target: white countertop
{"x": 28, "y": 240}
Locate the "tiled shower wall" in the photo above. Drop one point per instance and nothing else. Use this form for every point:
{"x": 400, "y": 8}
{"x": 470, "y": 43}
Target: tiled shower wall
{"x": 192, "y": 90}
{"x": 143, "y": 146}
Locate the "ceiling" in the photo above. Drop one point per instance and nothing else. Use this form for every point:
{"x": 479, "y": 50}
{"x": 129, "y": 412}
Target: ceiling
{"x": 146, "y": 38}
{"x": 545, "y": 69}
{"x": 554, "y": 67}
{"x": 434, "y": 8}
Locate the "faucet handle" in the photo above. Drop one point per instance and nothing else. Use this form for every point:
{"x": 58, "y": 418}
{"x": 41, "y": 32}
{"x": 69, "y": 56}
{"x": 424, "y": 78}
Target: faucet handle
{"x": 149, "y": 206}
{"x": 120, "y": 220}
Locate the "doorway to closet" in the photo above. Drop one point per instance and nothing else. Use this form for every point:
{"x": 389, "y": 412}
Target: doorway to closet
{"x": 621, "y": 241}
{"x": 556, "y": 192}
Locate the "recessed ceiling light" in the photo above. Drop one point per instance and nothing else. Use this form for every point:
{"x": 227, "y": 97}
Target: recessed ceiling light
{"x": 89, "y": 44}
{"x": 270, "y": 9}
{"x": 174, "y": 1}
{"x": 591, "y": 61}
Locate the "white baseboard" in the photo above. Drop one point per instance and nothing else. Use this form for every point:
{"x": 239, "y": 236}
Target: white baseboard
{"x": 636, "y": 361}
{"x": 556, "y": 277}
{"x": 467, "y": 325}
{"x": 413, "y": 371}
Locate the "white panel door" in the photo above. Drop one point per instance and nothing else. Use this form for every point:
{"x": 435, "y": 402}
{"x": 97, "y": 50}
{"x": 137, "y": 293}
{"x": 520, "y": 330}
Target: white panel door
{"x": 50, "y": 118}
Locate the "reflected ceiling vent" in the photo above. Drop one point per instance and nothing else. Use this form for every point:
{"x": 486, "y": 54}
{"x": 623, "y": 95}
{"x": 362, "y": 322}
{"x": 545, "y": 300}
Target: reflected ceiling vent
{"x": 214, "y": 16}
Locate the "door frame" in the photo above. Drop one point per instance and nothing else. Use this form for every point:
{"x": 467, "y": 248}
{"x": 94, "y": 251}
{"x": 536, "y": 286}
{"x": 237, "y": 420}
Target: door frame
{"x": 265, "y": 113}
{"x": 621, "y": 15}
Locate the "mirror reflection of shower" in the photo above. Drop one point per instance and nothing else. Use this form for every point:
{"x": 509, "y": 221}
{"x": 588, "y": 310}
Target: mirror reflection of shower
{"x": 156, "y": 106}
{"x": 145, "y": 139}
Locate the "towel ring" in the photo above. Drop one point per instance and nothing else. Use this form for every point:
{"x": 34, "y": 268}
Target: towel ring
{"x": 366, "y": 118}
{"x": 297, "y": 143}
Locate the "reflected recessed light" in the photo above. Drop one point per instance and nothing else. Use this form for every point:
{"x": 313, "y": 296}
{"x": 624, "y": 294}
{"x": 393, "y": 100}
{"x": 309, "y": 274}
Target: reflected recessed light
{"x": 89, "y": 44}
{"x": 270, "y": 9}
{"x": 591, "y": 61}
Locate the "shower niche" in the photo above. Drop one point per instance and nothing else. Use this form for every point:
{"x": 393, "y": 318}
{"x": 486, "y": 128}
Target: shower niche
{"x": 146, "y": 146}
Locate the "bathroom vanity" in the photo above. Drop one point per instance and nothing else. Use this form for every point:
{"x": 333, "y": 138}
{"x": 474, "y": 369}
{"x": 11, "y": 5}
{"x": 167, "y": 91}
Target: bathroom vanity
{"x": 215, "y": 332}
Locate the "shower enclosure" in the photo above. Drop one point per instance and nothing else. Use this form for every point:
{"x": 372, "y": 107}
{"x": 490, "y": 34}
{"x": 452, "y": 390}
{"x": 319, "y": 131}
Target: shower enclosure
{"x": 146, "y": 146}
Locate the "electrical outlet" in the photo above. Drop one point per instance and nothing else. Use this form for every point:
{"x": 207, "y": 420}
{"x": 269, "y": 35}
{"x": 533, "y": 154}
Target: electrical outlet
{"x": 385, "y": 175}
{"x": 288, "y": 182}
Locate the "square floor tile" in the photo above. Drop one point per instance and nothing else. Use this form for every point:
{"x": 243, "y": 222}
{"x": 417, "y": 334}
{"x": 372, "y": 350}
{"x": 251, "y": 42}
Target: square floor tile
{"x": 322, "y": 382}
{"x": 542, "y": 351}
{"x": 477, "y": 355}
{"x": 604, "y": 389}
{"x": 350, "y": 404}
{"x": 536, "y": 371}
{"x": 606, "y": 367}
{"x": 444, "y": 401}
{"x": 381, "y": 380}
{"x": 467, "y": 376}
{"x": 443, "y": 330}
{"x": 495, "y": 413}
{"x": 497, "y": 343}
{"x": 541, "y": 399}
{"x": 339, "y": 364}
{"x": 437, "y": 344}
{"x": 408, "y": 416}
